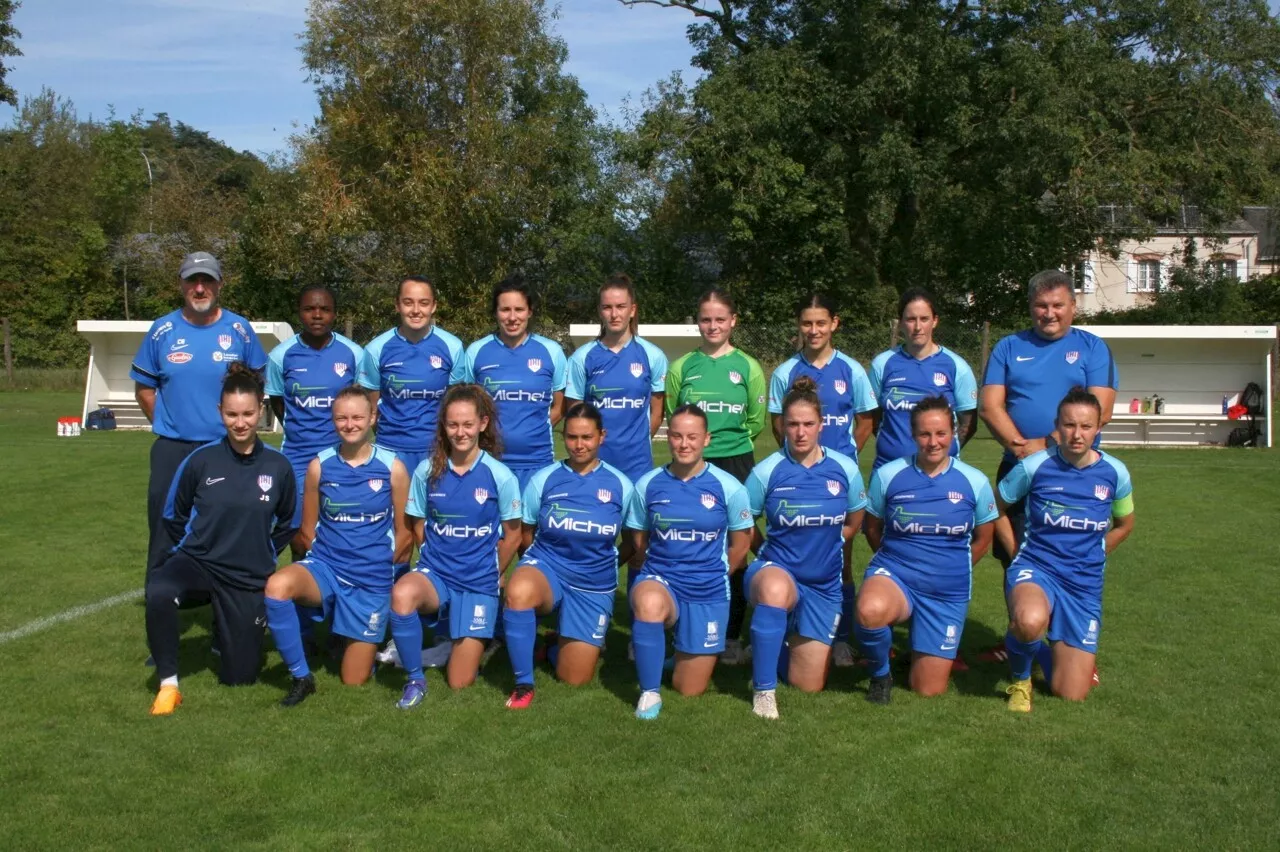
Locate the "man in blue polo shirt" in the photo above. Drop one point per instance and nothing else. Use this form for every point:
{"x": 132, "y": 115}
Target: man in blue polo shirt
{"x": 177, "y": 376}
{"x": 1029, "y": 373}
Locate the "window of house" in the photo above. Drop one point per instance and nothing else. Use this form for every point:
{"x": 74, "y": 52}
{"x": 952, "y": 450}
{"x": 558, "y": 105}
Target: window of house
{"x": 1148, "y": 276}
{"x": 1081, "y": 273}
{"x": 1224, "y": 268}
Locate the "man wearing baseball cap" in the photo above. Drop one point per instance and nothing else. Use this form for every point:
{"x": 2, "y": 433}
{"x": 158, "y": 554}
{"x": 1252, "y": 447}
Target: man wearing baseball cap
{"x": 177, "y": 377}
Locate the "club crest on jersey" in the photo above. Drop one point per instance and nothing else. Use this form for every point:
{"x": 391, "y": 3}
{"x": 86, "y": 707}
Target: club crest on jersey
{"x": 436, "y": 362}
{"x": 955, "y": 496}
{"x": 264, "y": 482}
{"x": 833, "y": 486}
{"x": 1073, "y": 356}
{"x": 535, "y": 364}
{"x": 1102, "y": 492}
{"x": 841, "y": 386}
{"x": 604, "y": 495}
{"x": 735, "y": 377}
{"x": 708, "y": 500}
{"x": 224, "y": 340}
{"x": 637, "y": 369}
{"x": 940, "y": 379}
{"x": 481, "y": 495}
{"x": 340, "y": 367}
{"x": 375, "y": 484}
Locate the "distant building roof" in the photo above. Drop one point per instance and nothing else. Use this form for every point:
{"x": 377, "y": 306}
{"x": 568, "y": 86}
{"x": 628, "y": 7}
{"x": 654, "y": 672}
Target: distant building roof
{"x": 1264, "y": 225}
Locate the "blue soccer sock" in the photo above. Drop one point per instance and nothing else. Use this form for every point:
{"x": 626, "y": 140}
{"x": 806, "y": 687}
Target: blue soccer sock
{"x": 521, "y": 626}
{"x": 876, "y": 644}
{"x": 848, "y": 600}
{"x": 1021, "y": 655}
{"x": 407, "y": 631}
{"x": 768, "y": 630}
{"x": 650, "y": 640}
{"x": 282, "y": 618}
{"x": 1044, "y": 656}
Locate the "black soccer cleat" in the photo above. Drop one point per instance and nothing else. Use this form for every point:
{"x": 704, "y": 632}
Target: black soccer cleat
{"x": 880, "y": 689}
{"x": 302, "y": 687}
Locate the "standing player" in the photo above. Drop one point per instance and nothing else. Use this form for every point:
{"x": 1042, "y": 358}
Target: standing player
{"x": 230, "y": 511}
{"x": 408, "y": 368}
{"x": 524, "y": 374}
{"x": 1079, "y": 508}
{"x": 304, "y": 376}
{"x": 353, "y": 530}
{"x": 849, "y": 404}
{"x": 624, "y": 376}
{"x": 728, "y": 386}
{"x": 464, "y": 507}
{"x": 573, "y": 513}
{"x": 1029, "y": 373}
{"x": 177, "y": 377}
{"x": 930, "y": 521}
{"x": 690, "y": 525}
{"x": 812, "y": 500}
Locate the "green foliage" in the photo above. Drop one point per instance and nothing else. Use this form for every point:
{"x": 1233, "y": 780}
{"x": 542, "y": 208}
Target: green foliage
{"x": 8, "y": 47}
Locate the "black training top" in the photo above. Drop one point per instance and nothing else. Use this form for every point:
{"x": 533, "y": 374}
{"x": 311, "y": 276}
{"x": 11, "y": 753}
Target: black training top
{"x": 233, "y": 513}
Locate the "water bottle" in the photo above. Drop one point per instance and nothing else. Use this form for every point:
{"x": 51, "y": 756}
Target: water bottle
{"x": 62, "y": 427}
{"x": 1226, "y": 404}
{"x": 1135, "y": 406}
{"x": 1159, "y": 405}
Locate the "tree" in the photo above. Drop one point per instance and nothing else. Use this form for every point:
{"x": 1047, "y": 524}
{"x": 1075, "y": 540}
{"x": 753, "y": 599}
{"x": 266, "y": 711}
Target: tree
{"x": 8, "y": 47}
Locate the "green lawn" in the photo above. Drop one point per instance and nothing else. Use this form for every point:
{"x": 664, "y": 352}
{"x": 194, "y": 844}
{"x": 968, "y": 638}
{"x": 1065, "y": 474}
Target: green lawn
{"x": 1177, "y": 749}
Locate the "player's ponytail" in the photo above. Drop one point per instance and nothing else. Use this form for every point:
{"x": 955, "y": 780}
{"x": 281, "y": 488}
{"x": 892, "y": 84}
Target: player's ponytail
{"x": 1080, "y": 396}
{"x": 931, "y": 403}
{"x": 240, "y": 379}
{"x": 804, "y": 391}
{"x": 490, "y": 439}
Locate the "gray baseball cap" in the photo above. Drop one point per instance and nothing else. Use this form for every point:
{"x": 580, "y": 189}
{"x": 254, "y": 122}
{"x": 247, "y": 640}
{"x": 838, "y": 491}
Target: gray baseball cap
{"x": 200, "y": 262}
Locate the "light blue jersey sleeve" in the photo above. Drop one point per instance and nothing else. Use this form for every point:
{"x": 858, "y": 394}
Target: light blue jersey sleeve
{"x": 508, "y": 488}
{"x": 966, "y": 384}
{"x": 558, "y": 363}
{"x": 758, "y": 482}
{"x": 984, "y": 509}
{"x": 657, "y": 366}
{"x": 880, "y": 485}
{"x": 860, "y": 393}
{"x": 736, "y": 503}
{"x": 457, "y": 355}
{"x": 628, "y": 488}
{"x": 876, "y": 376}
{"x": 1017, "y": 483}
{"x": 857, "y": 489}
{"x": 1124, "y": 485}
{"x": 637, "y": 511}
{"x": 370, "y": 372}
{"x": 357, "y": 353}
{"x": 275, "y": 368}
{"x": 470, "y": 356}
{"x": 417, "y": 504}
{"x": 532, "y": 497}
{"x": 576, "y": 372}
{"x": 778, "y": 384}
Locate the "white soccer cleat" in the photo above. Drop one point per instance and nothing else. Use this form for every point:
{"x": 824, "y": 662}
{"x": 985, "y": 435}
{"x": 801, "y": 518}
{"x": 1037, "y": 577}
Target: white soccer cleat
{"x": 389, "y": 655}
{"x": 764, "y": 703}
{"x": 842, "y": 655}
{"x": 649, "y": 705}
{"x": 734, "y": 654}
{"x": 437, "y": 656}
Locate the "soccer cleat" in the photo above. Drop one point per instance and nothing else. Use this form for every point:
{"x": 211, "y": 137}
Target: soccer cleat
{"x": 734, "y": 654}
{"x": 414, "y": 693}
{"x": 521, "y": 698}
{"x": 437, "y": 656}
{"x": 841, "y": 655}
{"x": 1019, "y": 693}
{"x": 389, "y": 654}
{"x": 880, "y": 690}
{"x": 495, "y": 645}
{"x": 167, "y": 700}
{"x": 995, "y": 654}
{"x": 649, "y": 705}
{"x": 764, "y": 703}
{"x": 302, "y": 687}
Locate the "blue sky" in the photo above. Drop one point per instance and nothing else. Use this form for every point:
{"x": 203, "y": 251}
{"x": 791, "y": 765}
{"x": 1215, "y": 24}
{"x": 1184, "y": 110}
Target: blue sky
{"x": 232, "y": 68}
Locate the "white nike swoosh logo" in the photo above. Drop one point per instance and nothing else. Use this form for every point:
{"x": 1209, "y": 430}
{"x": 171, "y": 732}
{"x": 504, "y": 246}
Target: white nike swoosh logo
{"x": 831, "y": 635}
{"x": 371, "y": 633}
{"x": 214, "y": 481}
{"x": 473, "y": 629}
{"x": 597, "y": 635}
{"x": 1020, "y": 358}
{"x": 710, "y": 644}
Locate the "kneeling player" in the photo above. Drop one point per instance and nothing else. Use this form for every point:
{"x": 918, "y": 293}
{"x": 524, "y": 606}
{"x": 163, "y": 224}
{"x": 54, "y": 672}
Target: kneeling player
{"x": 1079, "y": 509}
{"x": 352, "y": 529}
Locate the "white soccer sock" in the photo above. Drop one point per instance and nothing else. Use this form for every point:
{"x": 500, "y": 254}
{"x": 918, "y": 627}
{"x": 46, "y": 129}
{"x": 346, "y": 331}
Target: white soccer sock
{"x": 170, "y": 681}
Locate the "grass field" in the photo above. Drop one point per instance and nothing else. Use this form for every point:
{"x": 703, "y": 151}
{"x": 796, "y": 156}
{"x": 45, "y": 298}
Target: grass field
{"x": 1177, "y": 749}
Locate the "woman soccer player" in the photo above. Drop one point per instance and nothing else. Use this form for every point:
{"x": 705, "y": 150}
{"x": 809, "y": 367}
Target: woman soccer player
{"x": 930, "y": 519}
{"x": 464, "y": 508}
{"x": 1079, "y": 509}
{"x": 812, "y": 499}
{"x": 230, "y": 509}
{"x": 408, "y": 368}
{"x": 573, "y": 513}
{"x": 849, "y": 408}
{"x": 304, "y": 376}
{"x": 916, "y": 370}
{"x": 524, "y": 374}
{"x": 728, "y": 385}
{"x": 625, "y": 377}
{"x": 690, "y": 526}
{"x": 353, "y": 531}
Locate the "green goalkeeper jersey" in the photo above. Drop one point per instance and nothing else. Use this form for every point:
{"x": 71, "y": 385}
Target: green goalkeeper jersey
{"x": 731, "y": 391}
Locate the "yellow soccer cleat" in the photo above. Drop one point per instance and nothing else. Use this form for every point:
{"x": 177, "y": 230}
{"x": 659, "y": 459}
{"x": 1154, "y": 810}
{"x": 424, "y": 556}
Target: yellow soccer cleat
{"x": 167, "y": 700}
{"x": 1019, "y": 693}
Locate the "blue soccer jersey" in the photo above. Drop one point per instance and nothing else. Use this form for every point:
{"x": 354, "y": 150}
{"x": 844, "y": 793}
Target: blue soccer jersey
{"x": 804, "y": 510}
{"x": 621, "y": 384}
{"x": 523, "y": 382}
{"x": 355, "y": 533}
{"x": 411, "y": 379}
{"x": 463, "y": 517}
{"x": 928, "y": 522}
{"x": 578, "y": 519}
{"x": 688, "y": 525}
{"x": 307, "y": 380}
{"x": 1069, "y": 510}
{"x": 185, "y": 365}
{"x": 843, "y": 389}
{"x": 901, "y": 382}
{"x": 1038, "y": 373}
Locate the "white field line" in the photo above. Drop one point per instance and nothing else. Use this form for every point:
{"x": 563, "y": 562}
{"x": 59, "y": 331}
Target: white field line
{"x": 68, "y": 615}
